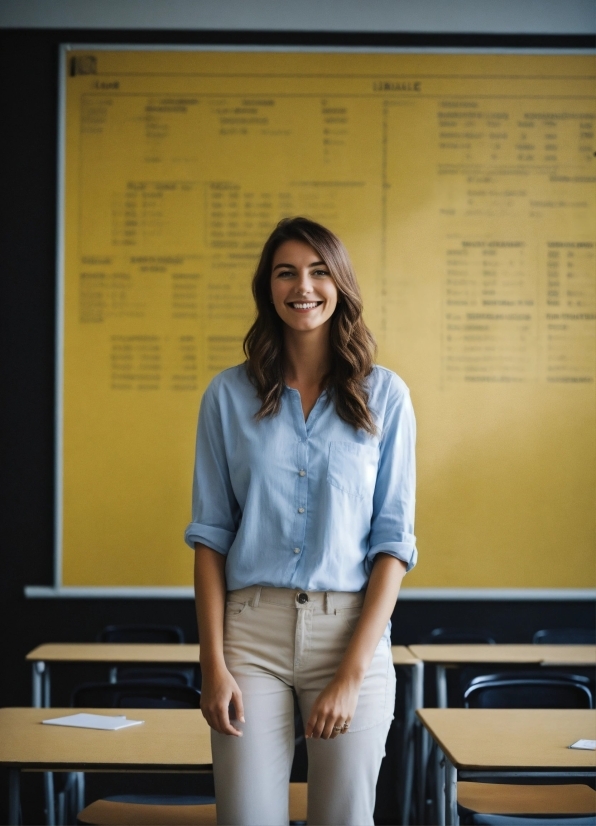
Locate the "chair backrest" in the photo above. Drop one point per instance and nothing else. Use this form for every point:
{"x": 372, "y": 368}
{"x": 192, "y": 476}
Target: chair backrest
{"x": 141, "y": 633}
{"x": 532, "y": 674}
{"x": 157, "y": 676}
{"x": 456, "y": 636}
{"x": 565, "y": 636}
{"x": 135, "y": 695}
{"x": 513, "y": 690}
{"x": 507, "y": 820}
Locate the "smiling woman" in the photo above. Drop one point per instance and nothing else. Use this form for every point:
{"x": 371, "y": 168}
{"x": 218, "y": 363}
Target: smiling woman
{"x": 302, "y": 290}
{"x": 304, "y": 263}
{"x": 303, "y": 519}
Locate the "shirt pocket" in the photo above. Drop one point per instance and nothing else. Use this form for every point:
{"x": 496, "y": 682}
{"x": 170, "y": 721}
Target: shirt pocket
{"x": 353, "y": 468}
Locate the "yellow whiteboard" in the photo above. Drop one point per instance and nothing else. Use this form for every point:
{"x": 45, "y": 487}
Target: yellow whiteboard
{"x": 463, "y": 186}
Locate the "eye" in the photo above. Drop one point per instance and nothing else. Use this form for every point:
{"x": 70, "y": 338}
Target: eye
{"x": 320, "y": 273}
{"x": 285, "y": 274}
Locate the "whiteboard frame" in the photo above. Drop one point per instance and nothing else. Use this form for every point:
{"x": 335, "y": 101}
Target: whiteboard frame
{"x": 58, "y": 590}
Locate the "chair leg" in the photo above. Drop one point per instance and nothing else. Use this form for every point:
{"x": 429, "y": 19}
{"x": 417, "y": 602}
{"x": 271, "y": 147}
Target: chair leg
{"x": 80, "y": 791}
{"x": 14, "y": 797}
{"x": 48, "y": 786}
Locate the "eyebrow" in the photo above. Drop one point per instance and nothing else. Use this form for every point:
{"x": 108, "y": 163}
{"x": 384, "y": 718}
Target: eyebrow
{"x": 292, "y": 267}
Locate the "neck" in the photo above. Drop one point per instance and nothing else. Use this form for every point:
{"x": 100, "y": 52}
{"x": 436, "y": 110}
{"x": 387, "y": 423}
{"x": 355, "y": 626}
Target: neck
{"x": 307, "y": 356}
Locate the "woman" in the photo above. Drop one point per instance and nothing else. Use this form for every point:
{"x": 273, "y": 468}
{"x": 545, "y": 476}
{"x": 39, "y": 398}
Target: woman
{"x": 303, "y": 504}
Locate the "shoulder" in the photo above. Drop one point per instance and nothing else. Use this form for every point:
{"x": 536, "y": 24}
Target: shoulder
{"x": 385, "y": 385}
{"x": 230, "y": 385}
{"x": 389, "y": 399}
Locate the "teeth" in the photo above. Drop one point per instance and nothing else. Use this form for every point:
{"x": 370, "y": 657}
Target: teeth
{"x": 309, "y": 306}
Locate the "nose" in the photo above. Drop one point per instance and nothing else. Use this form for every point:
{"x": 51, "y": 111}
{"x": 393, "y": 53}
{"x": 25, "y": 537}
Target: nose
{"x": 304, "y": 285}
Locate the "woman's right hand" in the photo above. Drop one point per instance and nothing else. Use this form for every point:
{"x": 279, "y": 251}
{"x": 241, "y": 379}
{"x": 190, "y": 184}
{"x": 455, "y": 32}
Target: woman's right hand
{"x": 218, "y": 690}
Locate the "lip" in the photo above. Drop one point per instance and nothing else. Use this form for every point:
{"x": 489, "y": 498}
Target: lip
{"x": 317, "y": 304}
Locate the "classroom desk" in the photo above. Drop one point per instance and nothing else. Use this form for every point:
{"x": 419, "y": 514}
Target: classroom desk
{"x": 187, "y": 654}
{"x": 169, "y": 740}
{"x": 505, "y": 743}
{"x": 102, "y": 652}
{"x": 443, "y": 656}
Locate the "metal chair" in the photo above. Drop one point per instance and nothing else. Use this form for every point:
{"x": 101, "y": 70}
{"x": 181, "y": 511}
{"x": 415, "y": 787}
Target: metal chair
{"x": 457, "y": 636}
{"x": 141, "y": 634}
{"x": 118, "y": 811}
{"x": 135, "y": 694}
{"x": 511, "y": 801}
{"x": 138, "y": 809}
{"x": 528, "y": 689}
{"x": 565, "y": 636}
{"x": 144, "y": 634}
{"x": 494, "y": 804}
{"x": 498, "y": 820}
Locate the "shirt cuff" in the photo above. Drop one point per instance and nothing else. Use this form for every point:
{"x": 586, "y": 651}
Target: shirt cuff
{"x": 405, "y": 551}
{"x": 218, "y": 539}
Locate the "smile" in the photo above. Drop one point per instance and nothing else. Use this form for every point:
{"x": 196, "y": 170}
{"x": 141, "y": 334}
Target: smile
{"x": 304, "y": 305}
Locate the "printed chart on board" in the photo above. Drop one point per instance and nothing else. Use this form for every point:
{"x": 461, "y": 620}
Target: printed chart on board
{"x": 463, "y": 186}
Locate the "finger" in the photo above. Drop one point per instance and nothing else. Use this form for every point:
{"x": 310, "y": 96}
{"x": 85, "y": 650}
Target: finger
{"x": 310, "y": 725}
{"x": 238, "y": 705}
{"x": 327, "y": 731}
{"x": 225, "y": 727}
{"x": 319, "y": 726}
{"x": 223, "y": 723}
{"x": 336, "y": 729}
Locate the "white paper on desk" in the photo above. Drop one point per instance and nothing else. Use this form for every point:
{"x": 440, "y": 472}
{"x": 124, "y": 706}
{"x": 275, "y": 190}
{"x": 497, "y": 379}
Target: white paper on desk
{"x": 100, "y": 721}
{"x": 584, "y": 744}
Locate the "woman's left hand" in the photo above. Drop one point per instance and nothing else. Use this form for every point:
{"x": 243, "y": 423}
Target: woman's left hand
{"x": 333, "y": 709}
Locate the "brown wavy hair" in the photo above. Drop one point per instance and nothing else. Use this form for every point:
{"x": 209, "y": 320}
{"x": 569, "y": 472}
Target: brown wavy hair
{"x": 352, "y": 344}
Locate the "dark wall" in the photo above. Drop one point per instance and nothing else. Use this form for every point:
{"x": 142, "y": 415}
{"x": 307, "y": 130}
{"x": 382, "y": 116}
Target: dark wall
{"x": 29, "y": 61}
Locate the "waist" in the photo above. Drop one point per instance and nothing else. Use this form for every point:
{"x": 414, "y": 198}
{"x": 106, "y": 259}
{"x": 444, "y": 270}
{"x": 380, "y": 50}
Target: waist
{"x": 327, "y": 601}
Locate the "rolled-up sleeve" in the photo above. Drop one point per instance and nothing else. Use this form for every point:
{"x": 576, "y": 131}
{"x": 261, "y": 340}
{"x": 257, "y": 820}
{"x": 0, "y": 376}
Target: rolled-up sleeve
{"x": 215, "y": 511}
{"x": 392, "y": 524}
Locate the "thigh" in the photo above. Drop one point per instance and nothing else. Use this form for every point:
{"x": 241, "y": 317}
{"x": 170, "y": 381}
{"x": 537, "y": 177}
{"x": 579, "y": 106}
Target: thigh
{"x": 328, "y": 639}
{"x": 252, "y": 772}
{"x": 342, "y": 777}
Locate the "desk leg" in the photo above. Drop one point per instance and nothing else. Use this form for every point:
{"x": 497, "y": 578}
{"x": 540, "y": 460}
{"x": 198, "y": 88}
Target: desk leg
{"x": 417, "y": 699}
{"x": 441, "y": 686}
{"x": 48, "y": 787}
{"x": 440, "y": 787}
{"x": 451, "y": 817}
{"x": 46, "y": 686}
{"x": 423, "y": 749}
{"x": 14, "y": 797}
{"x": 407, "y": 752}
{"x": 37, "y": 669}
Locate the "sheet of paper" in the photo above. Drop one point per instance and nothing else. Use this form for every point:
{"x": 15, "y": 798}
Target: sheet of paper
{"x": 99, "y": 721}
{"x": 584, "y": 744}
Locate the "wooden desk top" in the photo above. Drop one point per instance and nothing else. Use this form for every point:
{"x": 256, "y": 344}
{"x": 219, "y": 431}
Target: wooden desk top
{"x": 69, "y": 652}
{"x": 535, "y": 654}
{"x": 169, "y": 739}
{"x": 508, "y": 739}
{"x": 110, "y": 652}
{"x": 403, "y": 656}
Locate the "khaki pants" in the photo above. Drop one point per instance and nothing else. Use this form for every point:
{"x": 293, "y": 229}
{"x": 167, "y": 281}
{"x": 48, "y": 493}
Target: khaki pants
{"x": 275, "y": 645}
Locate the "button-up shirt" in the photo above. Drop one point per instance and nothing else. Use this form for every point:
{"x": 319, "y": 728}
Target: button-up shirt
{"x": 303, "y": 504}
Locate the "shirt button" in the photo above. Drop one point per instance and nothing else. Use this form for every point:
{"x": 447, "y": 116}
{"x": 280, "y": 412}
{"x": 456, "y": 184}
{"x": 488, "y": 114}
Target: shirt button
{"x": 301, "y": 473}
{"x": 300, "y": 510}
{"x": 296, "y": 550}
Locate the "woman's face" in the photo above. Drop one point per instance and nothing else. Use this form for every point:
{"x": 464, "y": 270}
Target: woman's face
{"x": 303, "y": 291}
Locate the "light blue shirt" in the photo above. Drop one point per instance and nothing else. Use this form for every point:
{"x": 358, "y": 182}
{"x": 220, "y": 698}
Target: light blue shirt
{"x": 303, "y": 504}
